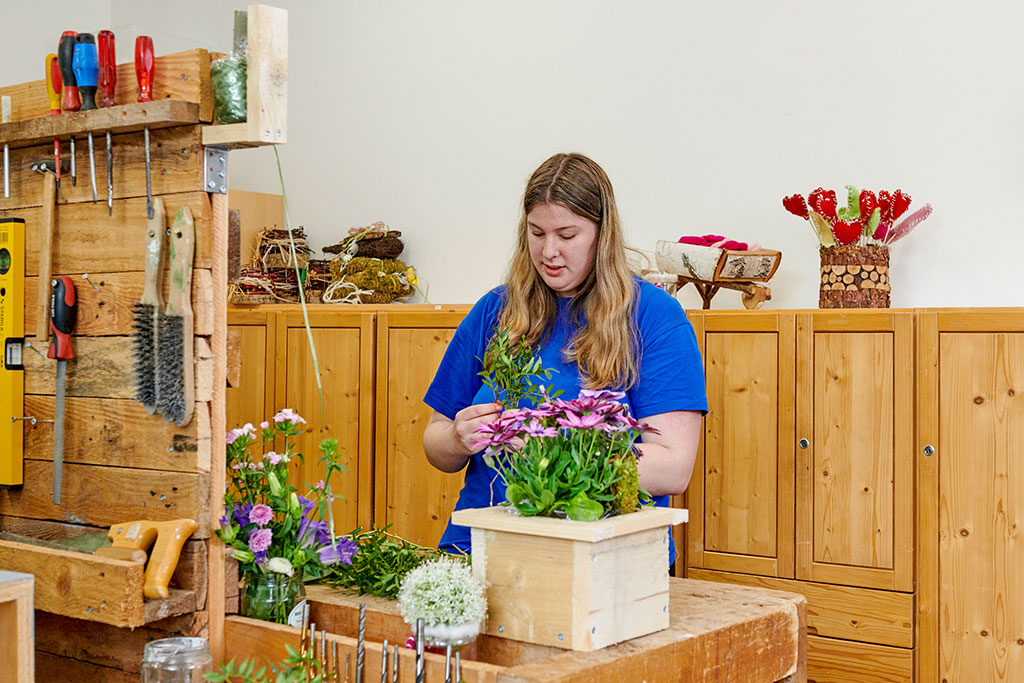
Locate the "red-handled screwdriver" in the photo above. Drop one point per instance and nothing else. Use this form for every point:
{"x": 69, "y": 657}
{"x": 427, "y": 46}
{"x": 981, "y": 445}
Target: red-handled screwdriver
{"x": 53, "y": 86}
{"x": 108, "y": 83}
{"x": 145, "y": 65}
{"x": 63, "y": 315}
{"x": 70, "y": 100}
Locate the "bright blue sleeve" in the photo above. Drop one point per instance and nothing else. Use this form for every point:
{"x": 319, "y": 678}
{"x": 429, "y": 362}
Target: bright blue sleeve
{"x": 671, "y": 369}
{"x": 456, "y": 381}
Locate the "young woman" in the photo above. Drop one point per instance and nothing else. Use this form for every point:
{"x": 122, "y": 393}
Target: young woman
{"x": 593, "y": 323}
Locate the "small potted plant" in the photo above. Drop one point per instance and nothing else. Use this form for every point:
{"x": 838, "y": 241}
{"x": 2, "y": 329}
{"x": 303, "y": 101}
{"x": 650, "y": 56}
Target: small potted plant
{"x": 574, "y": 558}
{"x": 274, "y": 533}
{"x": 450, "y": 600}
{"x": 854, "y": 241}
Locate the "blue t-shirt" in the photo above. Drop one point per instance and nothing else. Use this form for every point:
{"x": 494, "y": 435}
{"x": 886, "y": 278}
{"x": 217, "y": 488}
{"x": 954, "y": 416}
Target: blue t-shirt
{"x": 671, "y": 377}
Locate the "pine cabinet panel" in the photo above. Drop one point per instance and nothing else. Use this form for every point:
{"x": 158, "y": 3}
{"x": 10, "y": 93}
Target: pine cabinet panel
{"x": 344, "y": 350}
{"x": 855, "y": 416}
{"x": 740, "y": 468}
{"x": 974, "y": 526}
{"x": 248, "y": 401}
{"x": 741, "y": 491}
{"x": 410, "y": 494}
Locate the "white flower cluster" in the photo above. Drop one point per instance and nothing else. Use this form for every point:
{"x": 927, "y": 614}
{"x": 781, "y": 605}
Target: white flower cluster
{"x": 442, "y": 591}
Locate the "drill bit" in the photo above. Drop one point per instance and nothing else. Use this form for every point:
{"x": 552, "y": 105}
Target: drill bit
{"x": 92, "y": 171}
{"x": 384, "y": 662}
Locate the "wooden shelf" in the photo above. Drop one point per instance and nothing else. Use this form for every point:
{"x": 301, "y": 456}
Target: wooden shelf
{"x": 91, "y": 587}
{"x": 122, "y": 118}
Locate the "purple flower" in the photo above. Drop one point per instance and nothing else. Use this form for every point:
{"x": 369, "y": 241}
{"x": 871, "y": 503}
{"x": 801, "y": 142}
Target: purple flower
{"x": 241, "y": 513}
{"x": 261, "y": 515}
{"x": 577, "y": 421}
{"x": 343, "y": 550}
{"x": 536, "y": 428}
{"x": 602, "y": 394}
{"x": 260, "y": 557}
{"x": 313, "y": 533}
{"x": 260, "y": 540}
{"x": 306, "y": 504}
{"x": 223, "y": 521}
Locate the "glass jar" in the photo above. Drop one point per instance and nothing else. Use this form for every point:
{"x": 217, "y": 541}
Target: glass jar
{"x": 176, "y": 660}
{"x": 273, "y": 597}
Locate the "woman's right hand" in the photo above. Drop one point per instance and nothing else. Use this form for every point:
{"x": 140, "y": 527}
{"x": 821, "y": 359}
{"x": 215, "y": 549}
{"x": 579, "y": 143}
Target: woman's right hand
{"x": 469, "y": 420}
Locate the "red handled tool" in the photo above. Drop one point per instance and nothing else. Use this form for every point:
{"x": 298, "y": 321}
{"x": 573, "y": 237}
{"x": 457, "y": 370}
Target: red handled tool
{"x": 145, "y": 65}
{"x": 53, "y": 86}
{"x": 70, "y": 100}
{"x": 63, "y": 315}
{"x": 108, "y": 84}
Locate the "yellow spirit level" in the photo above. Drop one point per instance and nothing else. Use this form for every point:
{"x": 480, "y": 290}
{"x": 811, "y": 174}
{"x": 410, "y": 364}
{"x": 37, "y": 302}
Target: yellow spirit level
{"x": 12, "y": 334}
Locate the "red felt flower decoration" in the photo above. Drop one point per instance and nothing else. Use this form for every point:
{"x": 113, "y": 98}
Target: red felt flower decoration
{"x": 868, "y": 202}
{"x": 796, "y": 205}
{"x": 846, "y": 232}
{"x": 900, "y": 204}
{"x": 885, "y": 204}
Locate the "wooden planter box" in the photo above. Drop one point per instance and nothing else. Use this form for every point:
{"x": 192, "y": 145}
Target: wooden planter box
{"x": 573, "y": 585}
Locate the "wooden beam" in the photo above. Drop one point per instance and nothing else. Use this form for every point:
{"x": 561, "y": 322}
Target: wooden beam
{"x": 103, "y": 496}
{"x": 109, "y": 311}
{"x": 112, "y": 432}
{"x": 179, "y": 76}
{"x": 122, "y": 118}
{"x": 176, "y": 157}
{"x": 87, "y": 244}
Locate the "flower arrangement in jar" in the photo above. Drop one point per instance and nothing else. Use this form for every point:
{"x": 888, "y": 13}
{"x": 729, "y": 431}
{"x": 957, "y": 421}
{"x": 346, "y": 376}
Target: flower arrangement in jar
{"x": 274, "y": 533}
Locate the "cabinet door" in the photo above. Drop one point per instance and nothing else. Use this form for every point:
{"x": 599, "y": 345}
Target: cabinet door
{"x": 344, "y": 351}
{"x": 410, "y": 494}
{"x": 855, "y": 415}
{"x": 971, "y": 510}
{"x": 741, "y": 492}
{"x": 249, "y": 396}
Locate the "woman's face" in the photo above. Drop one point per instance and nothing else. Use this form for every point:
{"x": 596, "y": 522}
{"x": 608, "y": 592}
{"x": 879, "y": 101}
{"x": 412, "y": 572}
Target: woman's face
{"x": 562, "y": 246}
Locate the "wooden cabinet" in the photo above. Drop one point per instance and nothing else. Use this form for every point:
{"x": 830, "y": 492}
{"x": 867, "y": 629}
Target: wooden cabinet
{"x": 804, "y": 478}
{"x": 375, "y": 364}
{"x": 970, "y": 458}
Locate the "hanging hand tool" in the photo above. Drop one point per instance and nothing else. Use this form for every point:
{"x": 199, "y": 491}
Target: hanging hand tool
{"x": 144, "y": 67}
{"x": 108, "y": 84}
{"x": 87, "y": 72}
{"x": 175, "y": 381}
{"x": 5, "y": 117}
{"x": 146, "y": 314}
{"x": 53, "y": 86}
{"x": 63, "y": 314}
{"x": 69, "y": 100}
{"x": 12, "y": 336}
{"x": 45, "y": 266}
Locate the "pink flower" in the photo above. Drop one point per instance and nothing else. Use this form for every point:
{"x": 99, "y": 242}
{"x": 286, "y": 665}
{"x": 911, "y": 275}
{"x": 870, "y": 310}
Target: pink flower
{"x": 260, "y": 540}
{"x": 319, "y": 486}
{"x": 261, "y": 515}
{"x": 289, "y": 415}
{"x": 264, "y": 425}
{"x": 272, "y": 457}
{"x": 230, "y": 437}
{"x": 536, "y": 428}
{"x": 576, "y": 421}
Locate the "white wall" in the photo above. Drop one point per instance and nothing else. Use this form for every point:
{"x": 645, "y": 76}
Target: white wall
{"x": 431, "y": 116}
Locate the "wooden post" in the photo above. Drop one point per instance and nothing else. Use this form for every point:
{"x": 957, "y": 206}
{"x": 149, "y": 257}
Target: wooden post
{"x": 17, "y": 648}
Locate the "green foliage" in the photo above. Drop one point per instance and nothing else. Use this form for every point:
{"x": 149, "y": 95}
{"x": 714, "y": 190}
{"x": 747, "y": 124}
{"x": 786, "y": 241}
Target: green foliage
{"x": 295, "y": 668}
{"x": 509, "y": 369}
{"x": 380, "y": 565}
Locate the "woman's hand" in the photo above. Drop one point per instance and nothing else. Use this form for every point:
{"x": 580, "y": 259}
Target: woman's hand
{"x": 449, "y": 443}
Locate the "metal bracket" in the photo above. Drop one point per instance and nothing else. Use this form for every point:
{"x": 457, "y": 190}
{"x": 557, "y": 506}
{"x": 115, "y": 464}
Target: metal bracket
{"x": 215, "y": 174}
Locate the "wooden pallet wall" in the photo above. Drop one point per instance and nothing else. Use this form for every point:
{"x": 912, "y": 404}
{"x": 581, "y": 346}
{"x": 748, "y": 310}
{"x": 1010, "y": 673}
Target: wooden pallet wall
{"x": 120, "y": 463}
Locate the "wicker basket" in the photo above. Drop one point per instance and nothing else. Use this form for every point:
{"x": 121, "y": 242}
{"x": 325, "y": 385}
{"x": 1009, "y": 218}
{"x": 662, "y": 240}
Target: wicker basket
{"x": 854, "y": 277}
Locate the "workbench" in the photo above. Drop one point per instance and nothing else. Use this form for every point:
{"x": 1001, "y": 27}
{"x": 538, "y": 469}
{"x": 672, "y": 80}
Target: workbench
{"x": 717, "y": 632}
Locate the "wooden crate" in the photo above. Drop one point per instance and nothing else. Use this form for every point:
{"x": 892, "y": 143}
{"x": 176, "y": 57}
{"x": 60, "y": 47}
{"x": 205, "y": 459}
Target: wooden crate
{"x": 573, "y": 585}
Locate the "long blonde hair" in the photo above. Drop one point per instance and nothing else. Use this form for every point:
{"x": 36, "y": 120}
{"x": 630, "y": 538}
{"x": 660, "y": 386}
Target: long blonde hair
{"x": 605, "y": 348}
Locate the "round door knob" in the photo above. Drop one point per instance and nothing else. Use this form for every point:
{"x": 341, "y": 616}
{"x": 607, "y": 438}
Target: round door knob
{"x": 929, "y": 450}
{"x": 804, "y": 443}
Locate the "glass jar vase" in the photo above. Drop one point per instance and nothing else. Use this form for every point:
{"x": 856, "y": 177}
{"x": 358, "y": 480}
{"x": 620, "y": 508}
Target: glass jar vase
{"x": 176, "y": 660}
{"x": 273, "y": 597}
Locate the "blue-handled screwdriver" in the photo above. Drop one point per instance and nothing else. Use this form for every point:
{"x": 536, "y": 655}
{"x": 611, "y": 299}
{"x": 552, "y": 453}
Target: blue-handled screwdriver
{"x": 86, "y": 65}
